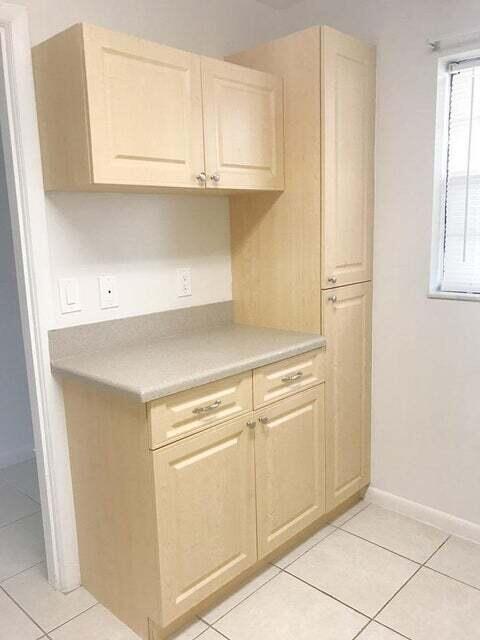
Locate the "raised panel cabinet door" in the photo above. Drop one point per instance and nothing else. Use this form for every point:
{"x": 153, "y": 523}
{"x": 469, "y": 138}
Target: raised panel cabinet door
{"x": 347, "y": 325}
{"x": 205, "y": 489}
{"x": 145, "y": 111}
{"x": 348, "y": 123}
{"x": 290, "y": 467}
{"x": 243, "y": 123}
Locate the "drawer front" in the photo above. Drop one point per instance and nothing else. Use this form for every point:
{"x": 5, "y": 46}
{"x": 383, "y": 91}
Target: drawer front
{"x": 182, "y": 414}
{"x": 281, "y": 379}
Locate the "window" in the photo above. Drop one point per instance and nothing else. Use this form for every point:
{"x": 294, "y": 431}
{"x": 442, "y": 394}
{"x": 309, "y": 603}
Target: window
{"x": 459, "y": 202}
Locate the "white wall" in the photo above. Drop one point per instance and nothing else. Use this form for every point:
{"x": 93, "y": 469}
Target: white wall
{"x": 16, "y": 437}
{"x": 142, "y": 239}
{"x": 426, "y": 364}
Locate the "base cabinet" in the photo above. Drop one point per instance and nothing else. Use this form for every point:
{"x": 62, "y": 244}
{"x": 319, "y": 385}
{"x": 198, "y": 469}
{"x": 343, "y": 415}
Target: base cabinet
{"x": 289, "y": 464}
{"x": 347, "y": 325}
{"x": 205, "y": 488}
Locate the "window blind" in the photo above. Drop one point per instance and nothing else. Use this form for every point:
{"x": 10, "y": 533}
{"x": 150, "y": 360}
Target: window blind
{"x": 461, "y": 264}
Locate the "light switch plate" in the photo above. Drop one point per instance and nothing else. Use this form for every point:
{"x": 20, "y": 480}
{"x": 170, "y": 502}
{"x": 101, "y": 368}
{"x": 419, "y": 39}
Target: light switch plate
{"x": 69, "y": 292}
{"x": 184, "y": 282}
{"x": 107, "y": 287}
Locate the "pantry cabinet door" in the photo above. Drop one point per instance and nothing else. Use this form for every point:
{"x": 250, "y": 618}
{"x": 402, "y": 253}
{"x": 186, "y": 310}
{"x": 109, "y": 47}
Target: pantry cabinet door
{"x": 348, "y": 121}
{"x": 145, "y": 111}
{"x": 205, "y": 489}
{"x": 290, "y": 462}
{"x": 347, "y": 325}
{"x": 243, "y": 122}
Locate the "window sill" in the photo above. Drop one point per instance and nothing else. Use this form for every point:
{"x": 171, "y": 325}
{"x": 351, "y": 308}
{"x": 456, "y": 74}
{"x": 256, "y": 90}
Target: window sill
{"x": 450, "y": 295}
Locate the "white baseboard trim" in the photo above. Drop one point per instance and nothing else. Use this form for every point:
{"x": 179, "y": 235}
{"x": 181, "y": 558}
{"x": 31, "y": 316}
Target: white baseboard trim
{"x": 8, "y": 458}
{"x": 451, "y": 524}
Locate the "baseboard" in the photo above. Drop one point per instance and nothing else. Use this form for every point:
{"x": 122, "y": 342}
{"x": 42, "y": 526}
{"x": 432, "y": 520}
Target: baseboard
{"x": 8, "y": 458}
{"x": 440, "y": 519}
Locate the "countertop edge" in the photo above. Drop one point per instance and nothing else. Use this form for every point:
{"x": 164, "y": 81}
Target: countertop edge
{"x": 184, "y": 384}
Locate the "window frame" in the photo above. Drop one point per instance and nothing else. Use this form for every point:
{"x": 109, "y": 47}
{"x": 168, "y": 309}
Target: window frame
{"x": 440, "y": 177}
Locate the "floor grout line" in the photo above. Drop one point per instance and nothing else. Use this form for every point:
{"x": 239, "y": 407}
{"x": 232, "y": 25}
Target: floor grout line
{"x": 411, "y": 578}
{"x": 23, "y": 610}
{"x": 210, "y": 624}
{"x": 362, "y": 630}
{"x": 325, "y": 593}
{"x": 338, "y": 526}
{"x": 19, "y": 573}
{"x": 302, "y": 554}
{"x": 30, "y": 515}
{"x": 73, "y": 618}
{"x": 382, "y": 547}
{"x": 394, "y": 630}
{"x": 445, "y": 575}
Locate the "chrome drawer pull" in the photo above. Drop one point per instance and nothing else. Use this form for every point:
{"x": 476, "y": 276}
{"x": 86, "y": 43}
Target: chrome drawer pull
{"x": 293, "y": 377}
{"x": 208, "y": 408}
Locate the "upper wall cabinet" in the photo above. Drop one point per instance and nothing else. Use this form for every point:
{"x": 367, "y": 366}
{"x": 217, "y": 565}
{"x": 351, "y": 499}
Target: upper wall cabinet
{"x": 119, "y": 113}
{"x": 243, "y": 114}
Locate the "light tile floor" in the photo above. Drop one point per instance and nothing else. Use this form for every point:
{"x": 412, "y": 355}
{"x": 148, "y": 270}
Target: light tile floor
{"x": 370, "y": 575}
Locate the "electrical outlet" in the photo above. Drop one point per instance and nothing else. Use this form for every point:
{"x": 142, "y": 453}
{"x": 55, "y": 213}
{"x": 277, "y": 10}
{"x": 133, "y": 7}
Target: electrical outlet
{"x": 69, "y": 295}
{"x": 184, "y": 282}
{"x": 107, "y": 287}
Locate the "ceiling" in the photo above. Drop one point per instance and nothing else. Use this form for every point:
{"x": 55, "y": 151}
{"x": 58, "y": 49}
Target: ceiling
{"x": 279, "y": 4}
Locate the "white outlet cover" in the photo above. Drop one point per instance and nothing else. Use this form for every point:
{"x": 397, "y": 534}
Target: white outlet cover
{"x": 184, "y": 282}
{"x": 69, "y": 293}
{"x": 107, "y": 287}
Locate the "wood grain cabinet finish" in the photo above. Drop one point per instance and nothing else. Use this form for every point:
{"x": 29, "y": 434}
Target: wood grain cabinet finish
{"x": 185, "y": 413}
{"x": 134, "y": 116}
{"x": 205, "y": 488}
{"x": 281, "y": 379}
{"x": 348, "y": 326}
{"x": 317, "y": 233}
{"x": 348, "y": 124}
{"x": 290, "y": 467}
{"x": 243, "y": 114}
{"x": 120, "y": 113}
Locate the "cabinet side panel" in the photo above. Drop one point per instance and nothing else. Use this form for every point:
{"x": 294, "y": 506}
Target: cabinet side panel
{"x": 59, "y": 73}
{"x": 113, "y": 485}
{"x": 276, "y": 237}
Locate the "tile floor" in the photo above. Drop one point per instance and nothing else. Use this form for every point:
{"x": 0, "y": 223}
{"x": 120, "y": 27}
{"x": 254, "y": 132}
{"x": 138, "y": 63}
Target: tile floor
{"x": 371, "y": 574}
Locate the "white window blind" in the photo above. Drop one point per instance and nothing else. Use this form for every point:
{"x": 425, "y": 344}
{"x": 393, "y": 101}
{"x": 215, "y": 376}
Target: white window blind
{"x": 461, "y": 257}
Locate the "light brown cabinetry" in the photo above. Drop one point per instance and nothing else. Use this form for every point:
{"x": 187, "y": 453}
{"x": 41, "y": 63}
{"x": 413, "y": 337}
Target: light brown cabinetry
{"x": 205, "y": 490}
{"x": 292, "y": 252}
{"x": 243, "y": 114}
{"x": 290, "y": 467}
{"x": 164, "y": 523}
{"x": 117, "y": 112}
{"x": 348, "y": 124}
{"x": 185, "y": 413}
{"x": 347, "y": 324}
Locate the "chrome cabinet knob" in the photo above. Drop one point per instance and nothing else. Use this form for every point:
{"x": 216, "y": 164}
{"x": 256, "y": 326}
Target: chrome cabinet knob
{"x": 332, "y": 298}
{"x": 215, "y": 177}
{"x": 202, "y": 177}
{"x": 252, "y": 424}
{"x": 332, "y": 279}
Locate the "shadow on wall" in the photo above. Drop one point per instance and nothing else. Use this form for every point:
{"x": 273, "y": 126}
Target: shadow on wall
{"x": 16, "y": 435}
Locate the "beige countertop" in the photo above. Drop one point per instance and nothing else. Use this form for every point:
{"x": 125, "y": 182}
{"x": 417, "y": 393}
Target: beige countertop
{"x": 151, "y": 369}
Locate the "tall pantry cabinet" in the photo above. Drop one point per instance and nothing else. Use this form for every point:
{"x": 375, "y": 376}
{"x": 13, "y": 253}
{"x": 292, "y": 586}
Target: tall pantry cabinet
{"x": 302, "y": 259}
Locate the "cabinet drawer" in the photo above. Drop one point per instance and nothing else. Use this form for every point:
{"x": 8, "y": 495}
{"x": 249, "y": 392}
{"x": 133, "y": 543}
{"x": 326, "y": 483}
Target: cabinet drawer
{"x": 181, "y": 414}
{"x": 281, "y": 379}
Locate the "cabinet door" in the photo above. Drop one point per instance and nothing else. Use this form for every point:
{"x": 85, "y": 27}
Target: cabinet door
{"x": 347, "y": 326}
{"x": 290, "y": 462}
{"x": 243, "y": 122}
{"x": 206, "y": 514}
{"x": 348, "y": 121}
{"x": 145, "y": 111}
